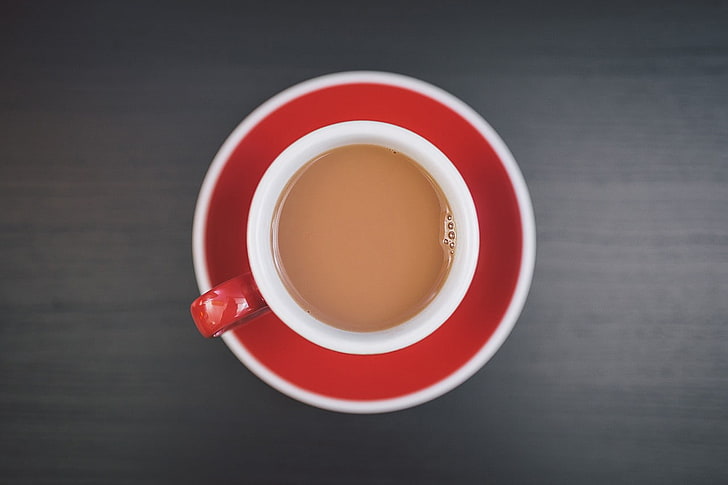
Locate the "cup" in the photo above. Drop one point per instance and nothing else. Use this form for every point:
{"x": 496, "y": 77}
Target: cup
{"x": 242, "y": 299}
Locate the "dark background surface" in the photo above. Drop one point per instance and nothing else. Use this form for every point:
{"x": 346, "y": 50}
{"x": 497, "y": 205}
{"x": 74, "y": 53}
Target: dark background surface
{"x": 617, "y": 370}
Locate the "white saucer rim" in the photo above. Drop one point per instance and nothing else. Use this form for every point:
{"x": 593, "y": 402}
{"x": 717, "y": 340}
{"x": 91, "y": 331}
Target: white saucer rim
{"x": 520, "y": 293}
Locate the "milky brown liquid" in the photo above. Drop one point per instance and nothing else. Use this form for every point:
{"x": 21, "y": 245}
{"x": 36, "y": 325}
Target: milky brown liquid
{"x": 361, "y": 238}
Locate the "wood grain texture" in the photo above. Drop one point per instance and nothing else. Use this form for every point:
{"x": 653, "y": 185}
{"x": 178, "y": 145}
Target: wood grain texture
{"x": 617, "y": 370}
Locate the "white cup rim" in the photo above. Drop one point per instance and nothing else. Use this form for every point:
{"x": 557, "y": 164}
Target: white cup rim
{"x": 260, "y": 245}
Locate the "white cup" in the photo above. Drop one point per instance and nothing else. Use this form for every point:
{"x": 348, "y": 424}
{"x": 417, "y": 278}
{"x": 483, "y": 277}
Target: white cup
{"x": 239, "y": 300}
{"x": 260, "y": 250}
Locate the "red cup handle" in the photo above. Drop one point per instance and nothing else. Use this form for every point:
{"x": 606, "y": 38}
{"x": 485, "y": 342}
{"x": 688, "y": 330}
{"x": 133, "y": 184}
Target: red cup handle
{"x": 227, "y": 305}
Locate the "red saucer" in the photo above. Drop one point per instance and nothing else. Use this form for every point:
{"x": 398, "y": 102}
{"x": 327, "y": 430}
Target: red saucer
{"x": 373, "y": 383}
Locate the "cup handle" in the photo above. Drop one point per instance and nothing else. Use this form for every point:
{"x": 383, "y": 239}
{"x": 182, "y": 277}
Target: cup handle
{"x": 228, "y": 305}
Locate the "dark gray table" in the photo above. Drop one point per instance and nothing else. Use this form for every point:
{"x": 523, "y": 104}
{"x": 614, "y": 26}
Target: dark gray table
{"x": 617, "y": 371}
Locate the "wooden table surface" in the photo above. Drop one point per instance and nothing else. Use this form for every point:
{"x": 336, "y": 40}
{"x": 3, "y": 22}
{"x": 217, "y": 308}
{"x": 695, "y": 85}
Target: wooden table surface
{"x": 617, "y": 371}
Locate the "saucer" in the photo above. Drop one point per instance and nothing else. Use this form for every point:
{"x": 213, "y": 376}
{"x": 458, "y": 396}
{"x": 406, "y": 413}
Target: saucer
{"x": 468, "y": 339}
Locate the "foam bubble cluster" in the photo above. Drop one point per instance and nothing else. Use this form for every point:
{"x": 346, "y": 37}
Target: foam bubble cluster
{"x": 450, "y": 234}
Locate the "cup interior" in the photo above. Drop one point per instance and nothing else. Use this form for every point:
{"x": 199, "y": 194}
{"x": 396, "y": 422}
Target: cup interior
{"x": 261, "y": 218}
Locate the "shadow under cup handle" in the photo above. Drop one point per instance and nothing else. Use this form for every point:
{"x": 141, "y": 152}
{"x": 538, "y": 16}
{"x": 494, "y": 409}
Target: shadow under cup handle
{"x": 228, "y": 305}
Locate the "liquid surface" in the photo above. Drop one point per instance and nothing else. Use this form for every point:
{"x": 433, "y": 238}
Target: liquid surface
{"x": 361, "y": 238}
